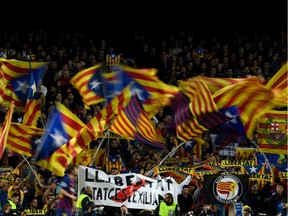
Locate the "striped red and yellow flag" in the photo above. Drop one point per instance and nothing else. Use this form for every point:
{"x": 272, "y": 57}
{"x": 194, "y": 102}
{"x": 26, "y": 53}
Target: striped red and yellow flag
{"x": 133, "y": 123}
{"x": 160, "y": 92}
{"x": 279, "y": 80}
{"x": 7, "y": 94}
{"x": 65, "y": 137}
{"x": 215, "y": 84}
{"x": 226, "y": 187}
{"x": 4, "y": 130}
{"x": 251, "y": 98}
{"x": 100, "y": 122}
{"x": 88, "y": 82}
{"x": 32, "y": 112}
{"x": 13, "y": 69}
{"x": 201, "y": 100}
{"x": 63, "y": 156}
{"x": 20, "y": 138}
{"x": 186, "y": 123}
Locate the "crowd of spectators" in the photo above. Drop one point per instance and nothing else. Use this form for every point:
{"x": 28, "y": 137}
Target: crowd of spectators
{"x": 177, "y": 56}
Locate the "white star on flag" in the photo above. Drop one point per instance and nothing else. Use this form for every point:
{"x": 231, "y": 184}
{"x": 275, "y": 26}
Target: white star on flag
{"x": 22, "y": 86}
{"x": 34, "y": 89}
{"x": 138, "y": 92}
{"x": 253, "y": 169}
{"x": 95, "y": 84}
{"x": 188, "y": 143}
{"x": 59, "y": 139}
{"x": 229, "y": 114}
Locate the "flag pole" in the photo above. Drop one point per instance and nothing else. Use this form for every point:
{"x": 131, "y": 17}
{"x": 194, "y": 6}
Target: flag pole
{"x": 15, "y": 168}
{"x": 266, "y": 159}
{"x": 98, "y": 147}
{"x": 31, "y": 169}
{"x": 170, "y": 153}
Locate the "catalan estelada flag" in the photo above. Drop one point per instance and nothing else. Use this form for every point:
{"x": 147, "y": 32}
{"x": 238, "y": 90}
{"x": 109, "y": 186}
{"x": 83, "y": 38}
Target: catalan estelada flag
{"x": 273, "y": 131}
{"x": 7, "y": 94}
{"x": 133, "y": 122}
{"x": 23, "y": 139}
{"x": 152, "y": 92}
{"x": 89, "y": 83}
{"x": 113, "y": 162}
{"x": 13, "y": 69}
{"x": 251, "y": 99}
{"x": 215, "y": 84}
{"x": 5, "y": 129}
{"x": 100, "y": 122}
{"x": 62, "y": 140}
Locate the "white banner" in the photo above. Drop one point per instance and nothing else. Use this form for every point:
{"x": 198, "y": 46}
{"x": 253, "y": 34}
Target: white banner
{"x": 133, "y": 190}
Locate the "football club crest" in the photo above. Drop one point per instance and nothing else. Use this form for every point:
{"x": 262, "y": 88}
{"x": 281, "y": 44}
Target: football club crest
{"x": 275, "y": 130}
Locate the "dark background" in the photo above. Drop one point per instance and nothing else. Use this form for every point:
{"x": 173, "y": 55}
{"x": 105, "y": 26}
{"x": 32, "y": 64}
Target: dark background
{"x": 115, "y": 16}
{"x": 117, "y": 21}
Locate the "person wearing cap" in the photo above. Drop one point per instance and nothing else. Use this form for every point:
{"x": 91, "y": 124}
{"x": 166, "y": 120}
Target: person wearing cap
{"x": 246, "y": 210}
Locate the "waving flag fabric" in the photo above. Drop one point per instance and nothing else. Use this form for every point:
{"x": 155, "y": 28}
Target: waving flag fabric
{"x": 83, "y": 158}
{"x": 116, "y": 81}
{"x": 150, "y": 82}
{"x": 7, "y": 94}
{"x": 61, "y": 126}
{"x": 132, "y": 122}
{"x": 186, "y": 123}
{"x": 192, "y": 120}
{"x": 279, "y": 80}
{"x": 196, "y": 112}
{"x": 100, "y": 122}
{"x": 63, "y": 156}
{"x": 215, "y": 84}
{"x": 201, "y": 100}
{"x": 152, "y": 92}
{"x": 13, "y": 69}
{"x": 33, "y": 109}
{"x": 273, "y": 132}
{"x": 19, "y": 82}
{"x": 251, "y": 99}
{"x": 4, "y": 130}
{"x": 23, "y": 139}
{"x": 231, "y": 130}
{"x": 89, "y": 83}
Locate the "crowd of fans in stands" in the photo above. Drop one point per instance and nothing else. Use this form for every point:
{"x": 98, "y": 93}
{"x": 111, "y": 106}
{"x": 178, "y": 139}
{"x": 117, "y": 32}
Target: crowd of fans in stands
{"x": 179, "y": 56}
